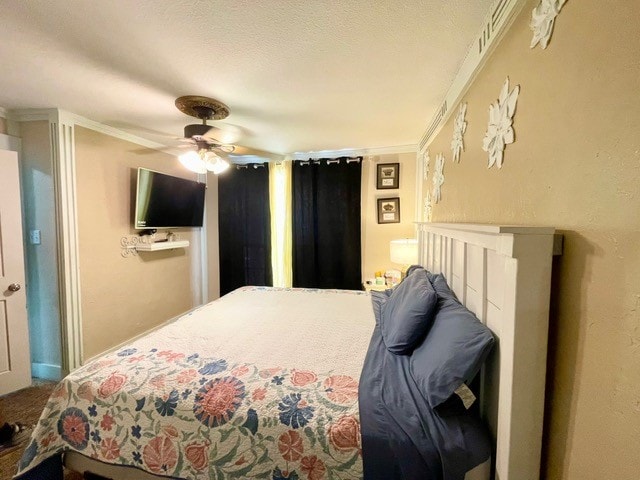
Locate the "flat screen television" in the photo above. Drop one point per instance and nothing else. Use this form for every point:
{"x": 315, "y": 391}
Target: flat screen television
{"x": 164, "y": 201}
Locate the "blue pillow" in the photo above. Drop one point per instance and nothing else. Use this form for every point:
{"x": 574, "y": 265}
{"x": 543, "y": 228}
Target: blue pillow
{"x": 440, "y": 286}
{"x": 408, "y": 313}
{"x": 453, "y": 352}
{"x": 378, "y": 299}
{"x": 413, "y": 268}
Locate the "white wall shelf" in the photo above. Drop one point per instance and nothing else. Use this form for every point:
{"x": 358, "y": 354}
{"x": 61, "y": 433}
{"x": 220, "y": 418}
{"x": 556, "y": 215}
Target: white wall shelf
{"x": 152, "y": 247}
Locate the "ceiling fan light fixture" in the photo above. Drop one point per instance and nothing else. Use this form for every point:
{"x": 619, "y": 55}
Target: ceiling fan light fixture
{"x": 215, "y": 164}
{"x": 203, "y": 161}
{"x": 221, "y": 166}
{"x": 192, "y": 161}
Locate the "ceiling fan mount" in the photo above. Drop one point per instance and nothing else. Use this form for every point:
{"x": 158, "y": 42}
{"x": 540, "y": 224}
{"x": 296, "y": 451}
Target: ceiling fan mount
{"x": 204, "y": 108}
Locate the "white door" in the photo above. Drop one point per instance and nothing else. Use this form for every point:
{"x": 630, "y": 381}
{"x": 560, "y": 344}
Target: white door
{"x": 15, "y": 363}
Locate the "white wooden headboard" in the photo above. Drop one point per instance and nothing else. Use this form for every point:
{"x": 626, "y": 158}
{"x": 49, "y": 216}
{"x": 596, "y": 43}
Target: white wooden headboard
{"x": 503, "y": 275}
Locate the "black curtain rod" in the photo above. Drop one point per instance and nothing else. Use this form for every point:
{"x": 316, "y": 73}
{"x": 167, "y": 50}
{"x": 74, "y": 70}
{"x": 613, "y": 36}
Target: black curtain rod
{"x": 247, "y": 165}
{"x": 329, "y": 161}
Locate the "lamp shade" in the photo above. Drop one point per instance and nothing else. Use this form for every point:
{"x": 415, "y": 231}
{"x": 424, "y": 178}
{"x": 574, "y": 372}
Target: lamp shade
{"x": 404, "y": 251}
{"x": 192, "y": 161}
{"x": 203, "y": 160}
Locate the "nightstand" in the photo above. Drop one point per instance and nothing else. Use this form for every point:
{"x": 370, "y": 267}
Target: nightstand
{"x": 378, "y": 288}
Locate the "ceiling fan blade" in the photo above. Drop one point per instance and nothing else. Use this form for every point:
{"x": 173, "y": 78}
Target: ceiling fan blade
{"x": 140, "y": 130}
{"x": 250, "y": 155}
{"x": 147, "y": 151}
{"x": 225, "y": 148}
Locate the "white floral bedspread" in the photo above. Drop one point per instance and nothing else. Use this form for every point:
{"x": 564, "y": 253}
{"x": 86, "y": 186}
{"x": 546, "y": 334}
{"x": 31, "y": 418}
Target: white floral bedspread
{"x": 262, "y": 383}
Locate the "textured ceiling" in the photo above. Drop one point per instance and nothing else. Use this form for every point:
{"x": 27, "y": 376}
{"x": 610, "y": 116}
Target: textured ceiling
{"x": 297, "y": 75}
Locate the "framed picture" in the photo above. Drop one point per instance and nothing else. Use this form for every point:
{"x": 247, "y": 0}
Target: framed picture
{"x": 389, "y": 210}
{"x": 388, "y": 176}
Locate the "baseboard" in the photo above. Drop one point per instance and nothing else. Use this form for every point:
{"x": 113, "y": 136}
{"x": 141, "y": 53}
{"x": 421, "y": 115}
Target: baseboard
{"x": 46, "y": 371}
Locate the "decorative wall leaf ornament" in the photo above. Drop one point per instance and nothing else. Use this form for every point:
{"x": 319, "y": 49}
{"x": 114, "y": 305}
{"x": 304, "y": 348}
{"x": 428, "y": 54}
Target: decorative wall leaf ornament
{"x": 426, "y": 159}
{"x": 542, "y": 20}
{"x": 438, "y": 178}
{"x": 500, "y": 130}
{"x": 427, "y": 207}
{"x": 459, "y": 127}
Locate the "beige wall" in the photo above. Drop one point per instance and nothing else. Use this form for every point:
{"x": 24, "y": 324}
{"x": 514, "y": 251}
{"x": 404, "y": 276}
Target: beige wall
{"x": 3, "y": 125}
{"x": 576, "y": 166}
{"x": 376, "y": 237}
{"x": 122, "y": 297}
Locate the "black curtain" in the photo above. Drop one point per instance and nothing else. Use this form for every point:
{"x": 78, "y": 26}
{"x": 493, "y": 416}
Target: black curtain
{"x": 244, "y": 225}
{"x": 326, "y": 224}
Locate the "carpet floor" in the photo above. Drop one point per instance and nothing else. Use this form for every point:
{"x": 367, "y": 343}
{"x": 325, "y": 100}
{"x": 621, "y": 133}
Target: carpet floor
{"x": 24, "y": 407}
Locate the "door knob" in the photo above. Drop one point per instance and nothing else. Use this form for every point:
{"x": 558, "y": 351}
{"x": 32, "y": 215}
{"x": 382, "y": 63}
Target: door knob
{"x": 14, "y": 287}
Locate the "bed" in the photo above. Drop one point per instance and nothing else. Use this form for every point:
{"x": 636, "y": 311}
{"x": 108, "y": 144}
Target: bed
{"x": 203, "y": 398}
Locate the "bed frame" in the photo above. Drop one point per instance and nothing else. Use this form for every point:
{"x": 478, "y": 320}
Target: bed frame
{"x": 503, "y": 275}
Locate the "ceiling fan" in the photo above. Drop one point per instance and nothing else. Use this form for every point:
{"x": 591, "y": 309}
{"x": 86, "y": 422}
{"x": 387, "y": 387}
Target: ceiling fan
{"x": 209, "y": 141}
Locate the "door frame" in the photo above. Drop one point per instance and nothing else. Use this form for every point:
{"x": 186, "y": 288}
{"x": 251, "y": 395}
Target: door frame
{"x": 61, "y": 151}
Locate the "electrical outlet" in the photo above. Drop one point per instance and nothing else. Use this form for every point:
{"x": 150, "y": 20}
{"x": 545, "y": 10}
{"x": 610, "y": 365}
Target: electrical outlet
{"x": 34, "y": 237}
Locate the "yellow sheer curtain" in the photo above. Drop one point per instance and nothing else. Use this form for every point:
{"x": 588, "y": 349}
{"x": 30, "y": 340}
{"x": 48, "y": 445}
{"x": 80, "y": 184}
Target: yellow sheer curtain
{"x": 281, "y": 236}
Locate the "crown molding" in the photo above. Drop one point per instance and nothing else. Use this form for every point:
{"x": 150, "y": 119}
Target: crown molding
{"x": 55, "y": 114}
{"x": 31, "y": 114}
{"x": 497, "y": 22}
{"x": 113, "y": 132}
{"x": 353, "y": 152}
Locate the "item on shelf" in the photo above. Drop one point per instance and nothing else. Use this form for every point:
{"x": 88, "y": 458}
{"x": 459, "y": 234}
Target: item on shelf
{"x": 392, "y": 277}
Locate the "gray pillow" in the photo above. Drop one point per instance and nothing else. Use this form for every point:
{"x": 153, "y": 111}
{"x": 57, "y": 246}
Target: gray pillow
{"x": 453, "y": 352}
{"x": 408, "y": 313}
